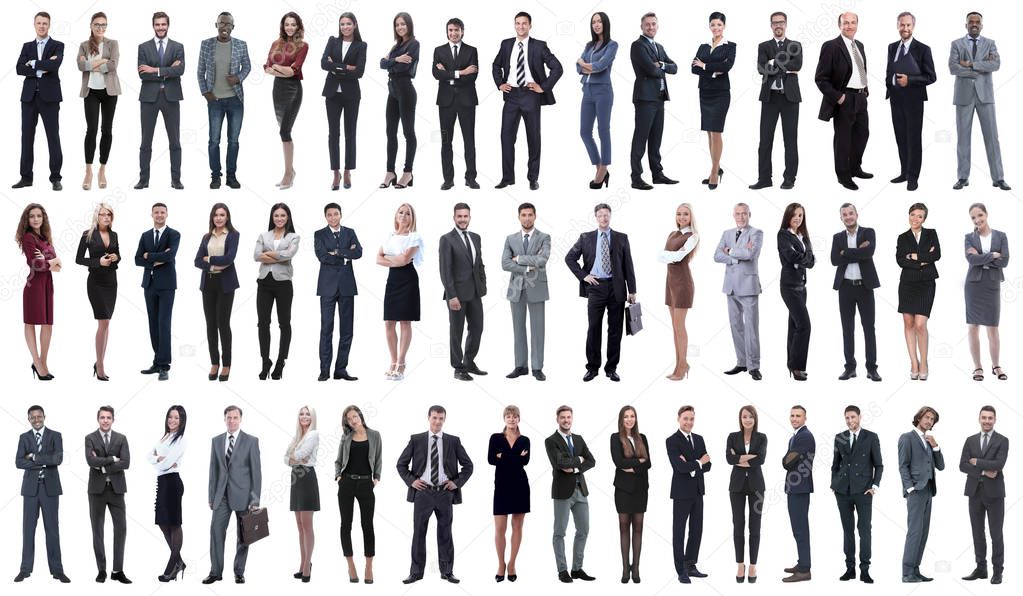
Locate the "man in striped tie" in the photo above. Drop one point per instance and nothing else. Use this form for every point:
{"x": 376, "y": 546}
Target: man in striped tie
{"x": 40, "y": 451}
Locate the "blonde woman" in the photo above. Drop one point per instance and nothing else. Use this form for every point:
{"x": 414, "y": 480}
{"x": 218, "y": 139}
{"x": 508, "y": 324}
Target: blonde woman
{"x": 357, "y": 472}
{"x": 100, "y": 241}
{"x": 679, "y": 249}
{"x": 402, "y": 252}
{"x": 305, "y": 491}
{"x": 509, "y": 454}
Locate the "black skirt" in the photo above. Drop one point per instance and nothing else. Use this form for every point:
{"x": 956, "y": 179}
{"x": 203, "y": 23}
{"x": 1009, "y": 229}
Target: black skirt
{"x": 401, "y": 295}
{"x": 713, "y": 109}
{"x": 287, "y": 97}
{"x": 305, "y": 491}
{"x": 102, "y": 291}
{"x": 916, "y": 297}
{"x": 169, "y": 489}
{"x": 634, "y": 502}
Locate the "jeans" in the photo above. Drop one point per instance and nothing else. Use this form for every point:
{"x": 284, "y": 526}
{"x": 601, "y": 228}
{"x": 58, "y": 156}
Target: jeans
{"x": 234, "y": 109}
{"x": 597, "y": 101}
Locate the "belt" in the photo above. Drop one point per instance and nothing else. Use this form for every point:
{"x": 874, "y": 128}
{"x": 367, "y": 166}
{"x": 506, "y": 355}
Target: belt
{"x": 604, "y": 280}
{"x": 853, "y": 282}
{"x": 436, "y": 488}
{"x": 851, "y": 90}
{"x": 358, "y": 477}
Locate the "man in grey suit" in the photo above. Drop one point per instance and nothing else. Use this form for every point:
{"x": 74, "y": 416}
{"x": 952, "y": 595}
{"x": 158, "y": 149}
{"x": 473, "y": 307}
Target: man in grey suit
{"x": 465, "y": 285}
{"x": 235, "y": 484}
{"x": 855, "y": 475}
{"x": 525, "y": 256}
{"x": 919, "y": 457}
{"x": 972, "y": 60}
{"x": 739, "y": 251}
{"x": 161, "y": 64}
{"x": 983, "y": 462}
{"x": 108, "y": 457}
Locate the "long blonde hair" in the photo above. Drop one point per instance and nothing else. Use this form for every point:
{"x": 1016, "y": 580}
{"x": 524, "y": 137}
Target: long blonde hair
{"x": 299, "y": 436}
{"x": 692, "y": 226}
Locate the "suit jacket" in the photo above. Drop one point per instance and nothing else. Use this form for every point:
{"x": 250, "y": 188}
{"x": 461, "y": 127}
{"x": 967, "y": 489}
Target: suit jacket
{"x": 241, "y": 482}
{"x": 917, "y": 463}
{"x": 462, "y": 277}
{"x": 101, "y": 462}
{"x": 169, "y": 77}
{"x": 973, "y": 82}
{"x": 854, "y": 471}
{"x": 453, "y": 90}
{"x": 47, "y": 86}
{"x": 798, "y": 462}
{"x": 529, "y": 271}
{"x": 375, "y": 453}
{"x": 455, "y": 461}
{"x": 788, "y": 61}
{"x": 93, "y": 243}
{"x": 638, "y": 478}
{"x": 112, "y": 53}
{"x": 834, "y": 69}
{"x": 718, "y": 62}
{"x": 46, "y": 459}
{"x": 538, "y": 57}
{"x": 239, "y": 67}
{"x": 863, "y": 256}
{"x": 687, "y": 476}
{"x": 923, "y": 268}
{"x": 748, "y": 479}
{"x": 281, "y": 270}
{"x": 991, "y": 459}
{"x": 338, "y": 76}
{"x": 336, "y": 277}
{"x": 228, "y": 275}
{"x": 796, "y": 257}
{"x": 917, "y": 88}
{"x": 982, "y": 266}
{"x": 163, "y": 276}
{"x": 742, "y": 274}
{"x": 623, "y": 275}
{"x": 645, "y": 59}
{"x": 563, "y": 483}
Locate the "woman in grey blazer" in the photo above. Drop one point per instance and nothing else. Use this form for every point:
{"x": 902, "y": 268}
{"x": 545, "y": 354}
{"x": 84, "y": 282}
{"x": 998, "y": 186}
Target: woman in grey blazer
{"x": 274, "y": 251}
{"x": 97, "y": 59}
{"x": 357, "y": 472}
{"x": 987, "y": 252}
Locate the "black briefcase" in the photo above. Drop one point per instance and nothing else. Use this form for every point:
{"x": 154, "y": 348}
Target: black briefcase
{"x": 633, "y": 319}
{"x": 255, "y": 526}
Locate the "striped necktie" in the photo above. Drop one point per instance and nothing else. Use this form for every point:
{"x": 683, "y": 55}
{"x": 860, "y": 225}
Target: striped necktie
{"x": 39, "y": 448}
{"x": 434, "y": 463}
{"x": 520, "y": 67}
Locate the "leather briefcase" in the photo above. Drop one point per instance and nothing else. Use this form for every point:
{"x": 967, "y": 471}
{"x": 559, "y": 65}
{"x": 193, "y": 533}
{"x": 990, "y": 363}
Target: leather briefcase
{"x": 255, "y": 526}
{"x": 633, "y": 319}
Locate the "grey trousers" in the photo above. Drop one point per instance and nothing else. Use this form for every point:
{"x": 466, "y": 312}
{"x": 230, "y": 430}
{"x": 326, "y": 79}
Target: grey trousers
{"x": 579, "y": 508}
{"x": 988, "y": 128}
{"x": 744, "y": 318}
{"x": 918, "y": 524}
{"x": 536, "y": 333}
{"x": 218, "y": 534}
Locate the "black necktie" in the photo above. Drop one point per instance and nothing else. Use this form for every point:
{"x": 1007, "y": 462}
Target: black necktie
{"x": 454, "y": 53}
{"x": 156, "y": 238}
{"x": 737, "y": 234}
{"x": 983, "y": 443}
{"x": 852, "y": 443}
{"x": 781, "y": 44}
{"x": 106, "y": 441}
{"x": 525, "y": 243}
{"x": 902, "y": 52}
{"x": 571, "y": 446}
{"x": 434, "y": 463}
{"x": 468, "y": 245}
{"x": 691, "y": 446}
{"x": 974, "y": 55}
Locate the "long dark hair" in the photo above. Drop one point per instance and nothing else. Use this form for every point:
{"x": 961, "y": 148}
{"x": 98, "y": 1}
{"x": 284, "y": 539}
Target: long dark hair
{"x": 411, "y": 29}
{"x": 344, "y": 419}
{"x": 288, "y": 227}
{"x": 228, "y": 225}
{"x": 93, "y": 42}
{"x": 182, "y": 417}
{"x": 23, "y": 227}
{"x": 756, "y": 419}
{"x": 356, "y": 36}
{"x": 604, "y": 20}
{"x": 299, "y": 33}
{"x": 623, "y": 435}
{"x": 790, "y": 211}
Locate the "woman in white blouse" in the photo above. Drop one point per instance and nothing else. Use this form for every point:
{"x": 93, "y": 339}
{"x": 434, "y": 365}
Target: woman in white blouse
{"x": 679, "y": 249}
{"x": 97, "y": 59}
{"x": 274, "y": 251}
{"x": 402, "y": 252}
{"x": 305, "y": 491}
{"x": 165, "y": 457}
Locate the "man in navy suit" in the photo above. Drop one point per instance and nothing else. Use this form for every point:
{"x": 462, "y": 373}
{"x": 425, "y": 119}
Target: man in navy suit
{"x": 651, "y": 65}
{"x": 455, "y": 66}
{"x": 156, "y": 253}
{"x": 336, "y": 247}
{"x": 40, "y": 96}
{"x": 40, "y": 451}
{"x": 910, "y": 70}
{"x": 855, "y": 475}
{"x": 520, "y": 74}
{"x": 852, "y": 254}
{"x": 689, "y": 461}
{"x": 798, "y": 464}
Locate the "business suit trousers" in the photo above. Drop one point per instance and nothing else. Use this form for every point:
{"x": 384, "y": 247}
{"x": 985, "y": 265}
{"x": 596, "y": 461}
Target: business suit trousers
{"x": 216, "y": 306}
{"x": 98, "y": 505}
{"x": 148, "y": 112}
{"x": 269, "y": 291}
{"x": 401, "y": 106}
{"x": 159, "y": 306}
{"x": 520, "y": 104}
{"x": 686, "y": 550}
{"x": 98, "y": 102}
{"x": 908, "y": 122}
{"x": 778, "y": 106}
{"x": 536, "y": 312}
{"x": 738, "y": 502}
{"x": 599, "y": 298}
{"x": 852, "y": 128}
{"x": 471, "y": 312}
{"x": 349, "y": 491}
{"x": 855, "y": 510}
{"x": 798, "y": 340}
{"x": 850, "y": 298}
{"x": 233, "y": 109}
{"x": 596, "y": 106}
{"x": 994, "y": 509}
{"x": 799, "y": 519}
{"x": 918, "y": 525}
{"x": 345, "y": 306}
{"x": 337, "y": 106}
{"x": 646, "y": 136}
{"x": 218, "y": 534}
{"x": 744, "y": 319}
{"x": 466, "y": 117}
{"x": 426, "y": 503}
{"x": 48, "y": 505}
{"x": 31, "y": 111}
{"x": 964, "y": 132}
{"x": 579, "y": 508}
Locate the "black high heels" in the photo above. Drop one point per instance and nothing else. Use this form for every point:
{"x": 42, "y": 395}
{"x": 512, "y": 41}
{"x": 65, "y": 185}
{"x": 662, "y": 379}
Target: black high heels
{"x": 410, "y": 180}
{"x": 626, "y": 571}
{"x": 36, "y": 375}
{"x": 334, "y": 185}
{"x": 604, "y": 182}
{"x": 98, "y": 376}
{"x": 265, "y": 371}
{"x": 721, "y": 173}
{"x": 278, "y": 371}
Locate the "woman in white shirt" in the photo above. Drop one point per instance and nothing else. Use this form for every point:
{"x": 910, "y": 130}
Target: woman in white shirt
{"x": 401, "y": 253}
{"x": 165, "y": 457}
{"x": 678, "y": 251}
{"x": 97, "y": 60}
{"x": 305, "y": 491}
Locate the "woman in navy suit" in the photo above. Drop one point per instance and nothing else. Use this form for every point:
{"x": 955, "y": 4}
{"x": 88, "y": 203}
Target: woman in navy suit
{"x": 745, "y": 452}
{"x": 916, "y": 252}
{"x": 987, "y": 252}
{"x": 344, "y": 59}
{"x": 509, "y": 453}
{"x": 400, "y": 64}
{"x": 100, "y": 240}
{"x": 796, "y": 255}
{"x": 219, "y": 280}
{"x": 594, "y": 66}
{"x": 630, "y": 453}
{"x": 712, "y": 62}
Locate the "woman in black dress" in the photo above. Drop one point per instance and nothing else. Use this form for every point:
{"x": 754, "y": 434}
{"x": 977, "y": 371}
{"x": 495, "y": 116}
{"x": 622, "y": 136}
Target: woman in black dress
{"x": 165, "y": 458}
{"x": 400, "y": 64}
{"x": 344, "y": 59}
{"x": 916, "y": 251}
{"x": 712, "y": 62}
{"x": 305, "y": 491}
{"x": 796, "y": 255}
{"x": 100, "y": 240}
{"x": 746, "y": 450}
{"x": 401, "y": 253}
{"x": 509, "y": 454}
{"x": 631, "y": 456}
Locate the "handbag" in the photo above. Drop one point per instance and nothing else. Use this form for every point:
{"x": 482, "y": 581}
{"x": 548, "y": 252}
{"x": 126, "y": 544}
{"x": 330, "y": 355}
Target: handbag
{"x": 633, "y": 319}
{"x": 254, "y": 525}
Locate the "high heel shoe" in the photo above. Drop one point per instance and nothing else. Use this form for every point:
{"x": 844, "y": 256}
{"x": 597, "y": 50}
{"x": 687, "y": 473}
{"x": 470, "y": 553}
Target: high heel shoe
{"x": 914, "y": 376}
{"x": 101, "y": 179}
{"x": 98, "y": 376}
{"x": 399, "y": 371}
{"x": 298, "y": 574}
{"x": 213, "y": 375}
{"x": 224, "y": 376}
{"x": 337, "y": 181}
{"x": 265, "y": 371}
{"x": 35, "y": 374}
{"x": 408, "y": 184}
{"x": 290, "y": 181}
{"x": 498, "y": 578}
{"x": 603, "y": 182}
{"x": 1000, "y": 374}
{"x": 635, "y": 574}
{"x": 626, "y": 571}
{"x": 278, "y": 371}
{"x": 389, "y": 180}
{"x": 799, "y": 375}
{"x": 390, "y": 372}
{"x": 721, "y": 173}
{"x": 87, "y": 182}
{"x": 347, "y": 180}
{"x": 742, "y": 576}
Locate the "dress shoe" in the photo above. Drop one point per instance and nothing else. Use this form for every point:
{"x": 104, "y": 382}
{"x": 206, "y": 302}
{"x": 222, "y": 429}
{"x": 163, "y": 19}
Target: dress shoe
{"x": 755, "y": 373}
{"x": 175, "y": 184}
{"x": 873, "y": 376}
{"x": 865, "y": 577}
{"x": 580, "y": 574}
{"x": 640, "y": 184}
{"x": 996, "y": 578}
{"x": 448, "y": 185}
{"x": 978, "y": 573}
{"x": 504, "y": 183}
{"x": 343, "y": 375}
{"x": 209, "y": 579}
{"x": 461, "y": 375}
{"x": 232, "y": 182}
{"x": 912, "y": 185}
{"x": 614, "y": 376}
{"x": 59, "y": 576}
{"x": 22, "y": 184}
{"x": 850, "y": 572}
{"x": 863, "y": 175}
{"x": 910, "y": 579}
{"x": 411, "y": 579}
{"x": 564, "y": 577}
{"x": 761, "y": 184}
{"x": 472, "y": 184}
{"x": 450, "y": 577}
{"x": 162, "y": 376}
{"x": 707, "y": 180}
{"x": 735, "y": 370}
{"x": 791, "y": 570}
{"x": 278, "y": 370}
{"x": 997, "y": 184}
{"x": 694, "y": 572}
{"x": 323, "y": 376}
{"x": 498, "y": 578}
{"x": 847, "y": 374}
{"x": 923, "y": 577}
{"x": 539, "y": 376}
{"x": 214, "y": 182}
{"x": 960, "y": 184}
{"x": 152, "y": 370}
{"x": 240, "y": 579}
{"x": 120, "y": 577}
{"x": 662, "y": 179}
{"x": 788, "y": 185}
{"x": 589, "y": 376}
{"x": 898, "y": 179}
{"x": 684, "y": 579}
{"x": 475, "y": 370}
{"x": 848, "y": 183}
{"x": 58, "y": 186}
{"x": 21, "y": 576}
{"x": 141, "y": 184}
{"x": 518, "y": 372}
{"x": 534, "y": 185}
{"x": 798, "y": 576}
{"x": 102, "y": 577}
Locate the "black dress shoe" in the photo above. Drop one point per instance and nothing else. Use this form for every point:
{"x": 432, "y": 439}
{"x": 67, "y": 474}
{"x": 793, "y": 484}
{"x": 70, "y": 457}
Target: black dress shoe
{"x": 898, "y": 180}
{"x": 450, "y": 577}
{"x": 534, "y": 185}
{"x": 102, "y": 577}
{"x": 21, "y": 576}
{"x": 475, "y": 370}
{"x": 448, "y": 185}
{"x": 848, "y": 183}
{"x": 589, "y": 376}
{"x": 997, "y": 184}
{"x": 58, "y": 186}
{"x": 910, "y": 579}
{"x": 761, "y": 184}
{"x": 873, "y": 376}
{"x": 240, "y": 579}
{"x": 214, "y": 182}
{"x": 323, "y": 376}
{"x": 640, "y": 184}
{"x": 613, "y": 376}
{"x": 798, "y": 576}
{"x": 960, "y": 184}
{"x": 411, "y": 579}
{"x": 662, "y": 179}
{"x": 850, "y": 572}
{"x": 863, "y": 175}
{"x": 694, "y": 572}
{"x": 175, "y": 184}
{"x": 923, "y": 577}
{"x": 343, "y": 375}
{"x": 755, "y": 373}
{"x": 209, "y": 579}
{"x": 996, "y": 578}
{"x": 580, "y": 574}
{"x": 787, "y": 185}
{"x": 461, "y": 375}
{"x": 141, "y": 184}
{"x": 152, "y": 370}
{"x": 912, "y": 185}
{"x": 22, "y": 184}
{"x": 59, "y": 576}
{"x": 518, "y": 372}
{"x": 684, "y": 579}
{"x": 120, "y": 577}
{"x": 501, "y": 184}
{"x": 735, "y": 370}
{"x": 539, "y": 376}
{"x": 162, "y": 375}
{"x": 978, "y": 573}
{"x": 564, "y": 577}
{"x": 865, "y": 577}
{"x": 232, "y": 182}
{"x": 472, "y": 184}
{"x": 847, "y": 374}
{"x": 791, "y": 570}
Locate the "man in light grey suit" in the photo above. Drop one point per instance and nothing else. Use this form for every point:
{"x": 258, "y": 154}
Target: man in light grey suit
{"x": 739, "y": 251}
{"x": 525, "y": 256}
{"x": 919, "y": 456}
{"x": 972, "y": 60}
{"x": 235, "y": 484}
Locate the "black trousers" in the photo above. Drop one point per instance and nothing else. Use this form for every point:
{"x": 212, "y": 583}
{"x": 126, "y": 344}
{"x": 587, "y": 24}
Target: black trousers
{"x": 98, "y": 505}
{"x": 855, "y": 511}
{"x": 598, "y": 299}
{"x": 994, "y": 509}
{"x": 171, "y": 111}
{"x": 520, "y": 104}
{"x": 348, "y": 492}
{"x": 908, "y": 122}
{"x": 401, "y": 106}
{"x": 466, "y": 116}
{"x": 216, "y": 306}
{"x": 471, "y": 311}
{"x": 345, "y": 307}
{"x": 850, "y": 298}
{"x": 32, "y": 506}
{"x": 646, "y": 136}
{"x": 756, "y": 510}
{"x": 798, "y": 341}
{"x": 686, "y": 550}
{"x": 851, "y": 132}
{"x": 426, "y": 503}
{"x": 269, "y": 291}
{"x": 97, "y": 102}
{"x": 799, "y": 519}
{"x": 778, "y": 106}
{"x": 349, "y": 107}
{"x": 31, "y": 111}
{"x": 159, "y": 307}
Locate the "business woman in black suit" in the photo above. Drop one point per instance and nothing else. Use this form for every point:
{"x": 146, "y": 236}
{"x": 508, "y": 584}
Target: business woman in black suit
{"x": 509, "y": 453}
{"x": 400, "y": 64}
{"x": 745, "y": 452}
{"x": 104, "y": 254}
{"x": 796, "y": 255}
{"x": 630, "y": 453}
{"x": 987, "y": 252}
{"x": 344, "y": 59}
{"x": 218, "y": 282}
{"x": 712, "y": 62}
{"x": 916, "y": 251}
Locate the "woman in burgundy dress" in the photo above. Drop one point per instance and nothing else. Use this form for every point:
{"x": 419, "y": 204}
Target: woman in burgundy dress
{"x": 34, "y": 239}
{"x": 509, "y": 454}
{"x": 678, "y": 294}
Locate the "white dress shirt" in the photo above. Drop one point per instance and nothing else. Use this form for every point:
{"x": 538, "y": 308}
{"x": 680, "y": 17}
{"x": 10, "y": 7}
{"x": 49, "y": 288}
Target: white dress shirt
{"x": 441, "y": 476}
{"x": 857, "y": 76}
{"x": 172, "y": 453}
{"x": 512, "y": 71}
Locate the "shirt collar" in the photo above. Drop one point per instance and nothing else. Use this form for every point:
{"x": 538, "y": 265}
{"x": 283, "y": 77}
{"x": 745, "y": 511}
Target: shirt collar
{"x": 334, "y": 230}
{"x": 439, "y": 435}
{"x": 721, "y": 43}
{"x": 563, "y": 435}
{"x": 160, "y": 229}
{"x": 44, "y": 40}
{"x": 455, "y": 45}
{"x": 686, "y": 230}
{"x": 855, "y": 231}
{"x": 848, "y": 42}
{"x": 157, "y": 41}
{"x": 649, "y": 39}
{"x": 524, "y": 41}
{"x": 41, "y": 431}
{"x": 530, "y": 232}
{"x": 968, "y": 38}
{"x": 796, "y": 431}
{"x": 906, "y": 42}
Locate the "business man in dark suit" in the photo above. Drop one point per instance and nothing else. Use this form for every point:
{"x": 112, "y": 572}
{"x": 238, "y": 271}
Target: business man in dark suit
{"x": 40, "y": 451}
{"x": 434, "y": 466}
{"x": 919, "y": 457}
{"x": 798, "y": 464}
{"x": 910, "y": 70}
{"x": 983, "y": 462}
{"x": 689, "y": 462}
{"x": 852, "y": 254}
{"x": 465, "y": 284}
{"x": 855, "y": 475}
{"x": 570, "y": 458}
{"x": 779, "y": 61}
{"x": 525, "y": 71}
{"x": 106, "y": 452}
{"x": 651, "y": 65}
{"x": 842, "y": 79}
{"x": 40, "y": 97}
{"x": 236, "y": 480}
{"x": 607, "y": 280}
{"x": 336, "y": 247}
{"x": 455, "y": 66}
{"x": 156, "y": 253}
{"x": 161, "y": 63}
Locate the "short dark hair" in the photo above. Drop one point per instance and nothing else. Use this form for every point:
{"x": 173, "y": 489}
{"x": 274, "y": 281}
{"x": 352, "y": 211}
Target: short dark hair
{"x": 527, "y": 206}
{"x": 563, "y": 409}
{"x": 233, "y": 409}
{"x": 155, "y": 205}
{"x": 799, "y": 407}
{"x": 36, "y": 408}
{"x": 601, "y": 206}
{"x": 780, "y": 13}
{"x": 847, "y": 205}
{"x": 717, "y": 15}
{"x": 852, "y": 408}
{"x": 105, "y": 409}
{"x": 330, "y": 206}
{"x": 457, "y": 22}
{"x": 922, "y": 412}
{"x": 918, "y": 207}
{"x": 438, "y": 409}
{"x": 989, "y": 409}
{"x": 973, "y": 12}
{"x": 460, "y": 206}
{"x": 685, "y": 409}
{"x": 42, "y": 13}
{"x": 649, "y": 15}
{"x": 160, "y": 15}
{"x": 523, "y": 13}
{"x": 225, "y": 14}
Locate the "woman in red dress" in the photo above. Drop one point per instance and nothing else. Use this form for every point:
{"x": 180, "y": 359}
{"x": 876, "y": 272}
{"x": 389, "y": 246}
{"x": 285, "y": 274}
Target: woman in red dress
{"x": 34, "y": 238}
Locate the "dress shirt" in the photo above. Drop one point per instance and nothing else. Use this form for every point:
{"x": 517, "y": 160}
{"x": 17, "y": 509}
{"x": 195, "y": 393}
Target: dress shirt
{"x": 344, "y": 52}
{"x": 916, "y": 235}
{"x": 674, "y": 256}
{"x": 451, "y": 48}
{"x": 158, "y": 233}
{"x": 462, "y": 235}
{"x": 96, "y": 80}
{"x": 571, "y": 448}
{"x": 852, "y": 270}
{"x": 801, "y": 241}
{"x": 777, "y": 85}
{"x": 215, "y": 248}
{"x": 985, "y": 243}
{"x": 660, "y": 64}
{"x": 397, "y": 244}
{"x": 922, "y": 438}
{"x": 307, "y": 448}
{"x": 40, "y": 46}
{"x": 513, "y": 72}
{"x": 899, "y": 50}
{"x": 227, "y": 441}
{"x": 172, "y": 452}
{"x": 598, "y": 267}
{"x": 441, "y": 477}
{"x": 689, "y": 439}
{"x": 166, "y": 42}
{"x": 854, "y": 80}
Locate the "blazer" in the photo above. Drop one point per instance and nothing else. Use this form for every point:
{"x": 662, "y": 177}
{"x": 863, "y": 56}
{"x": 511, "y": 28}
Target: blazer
{"x": 102, "y": 468}
{"x": 282, "y": 269}
{"x": 623, "y": 275}
{"x": 798, "y": 462}
{"x": 601, "y": 60}
{"x": 45, "y": 459}
{"x": 241, "y": 482}
{"x": 991, "y": 459}
{"x": 162, "y": 276}
{"x": 47, "y": 86}
{"x": 922, "y": 269}
{"x": 973, "y": 83}
{"x": 687, "y": 477}
{"x": 718, "y": 62}
{"x": 461, "y": 276}
{"x": 338, "y": 75}
{"x": 745, "y": 480}
{"x": 638, "y": 479}
{"x": 93, "y": 243}
{"x": 742, "y": 274}
{"x": 336, "y": 276}
{"x": 917, "y": 463}
{"x": 228, "y": 275}
{"x": 563, "y": 484}
{"x": 646, "y": 57}
{"x": 788, "y": 61}
{"x": 854, "y": 471}
{"x": 109, "y": 69}
{"x": 239, "y": 67}
{"x": 400, "y": 70}
{"x": 917, "y": 87}
{"x": 982, "y": 266}
{"x": 529, "y": 271}
{"x": 842, "y": 255}
{"x": 168, "y": 78}
{"x": 456, "y": 463}
{"x": 834, "y": 69}
{"x": 538, "y": 57}
{"x": 375, "y": 453}
{"x": 796, "y": 257}
{"x": 452, "y": 90}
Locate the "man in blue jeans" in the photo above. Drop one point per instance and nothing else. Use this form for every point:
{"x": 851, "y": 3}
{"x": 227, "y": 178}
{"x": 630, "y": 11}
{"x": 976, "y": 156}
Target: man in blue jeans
{"x": 223, "y": 65}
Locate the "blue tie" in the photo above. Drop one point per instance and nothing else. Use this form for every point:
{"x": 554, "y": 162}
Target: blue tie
{"x": 159, "y": 51}
{"x": 571, "y": 446}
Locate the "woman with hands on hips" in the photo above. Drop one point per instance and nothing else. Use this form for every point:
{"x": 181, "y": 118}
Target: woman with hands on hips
{"x": 100, "y": 241}
{"x": 36, "y": 242}
{"x": 916, "y": 252}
